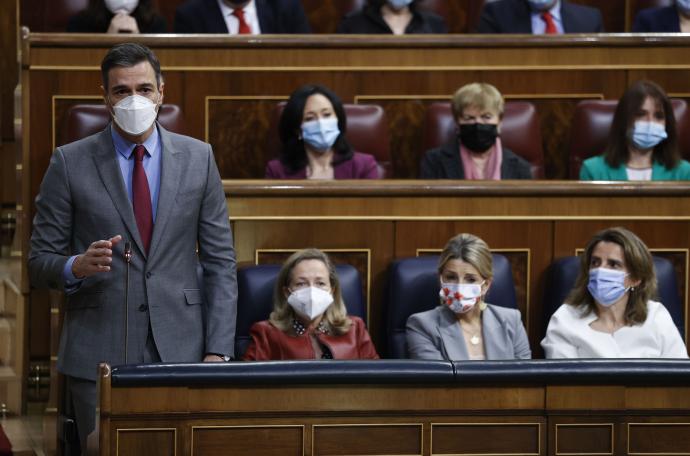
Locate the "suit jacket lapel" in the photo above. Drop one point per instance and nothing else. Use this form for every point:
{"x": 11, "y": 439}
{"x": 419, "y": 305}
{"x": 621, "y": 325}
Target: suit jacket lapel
{"x": 265, "y": 16}
{"x": 171, "y": 169}
{"x": 566, "y": 17}
{"x": 451, "y": 160}
{"x": 215, "y": 18}
{"x": 451, "y": 335}
{"x": 523, "y": 17}
{"x": 493, "y": 334}
{"x": 111, "y": 176}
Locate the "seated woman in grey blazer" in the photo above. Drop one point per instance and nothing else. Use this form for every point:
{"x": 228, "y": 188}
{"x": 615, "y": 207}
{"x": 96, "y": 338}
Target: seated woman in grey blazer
{"x": 463, "y": 326}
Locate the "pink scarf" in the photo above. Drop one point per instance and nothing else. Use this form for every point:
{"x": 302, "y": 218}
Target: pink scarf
{"x": 492, "y": 169}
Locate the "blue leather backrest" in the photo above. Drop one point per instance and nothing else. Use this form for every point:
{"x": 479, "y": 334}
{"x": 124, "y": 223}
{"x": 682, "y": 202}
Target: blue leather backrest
{"x": 563, "y": 273}
{"x": 255, "y": 297}
{"x": 413, "y": 287}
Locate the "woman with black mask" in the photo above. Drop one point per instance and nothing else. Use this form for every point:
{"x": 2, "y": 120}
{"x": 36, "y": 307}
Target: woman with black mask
{"x": 476, "y": 152}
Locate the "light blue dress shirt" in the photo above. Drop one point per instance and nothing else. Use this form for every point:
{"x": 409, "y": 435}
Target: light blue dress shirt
{"x": 152, "y": 167}
{"x": 538, "y": 23}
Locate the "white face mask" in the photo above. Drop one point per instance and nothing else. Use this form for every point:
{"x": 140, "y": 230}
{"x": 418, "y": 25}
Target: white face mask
{"x": 126, "y": 6}
{"x": 460, "y": 297}
{"x": 135, "y": 114}
{"x": 310, "y": 302}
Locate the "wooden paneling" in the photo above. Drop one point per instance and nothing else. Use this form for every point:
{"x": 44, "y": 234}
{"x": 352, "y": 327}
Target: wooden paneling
{"x": 344, "y": 440}
{"x": 584, "y": 438}
{"x": 151, "y": 442}
{"x": 659, "y": 438}
{"x": 255, "y": 440}
{"x": 477, "y": 438}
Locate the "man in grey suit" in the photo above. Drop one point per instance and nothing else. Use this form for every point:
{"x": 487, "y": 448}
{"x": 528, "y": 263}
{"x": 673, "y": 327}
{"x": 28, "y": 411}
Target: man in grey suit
{"x": 134, "y": 187}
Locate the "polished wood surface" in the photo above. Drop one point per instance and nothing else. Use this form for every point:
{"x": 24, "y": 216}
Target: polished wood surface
{"x": 532, "y": 418}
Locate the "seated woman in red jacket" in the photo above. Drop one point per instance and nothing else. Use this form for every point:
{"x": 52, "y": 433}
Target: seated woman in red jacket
{"x": 309, "y": 319}
{"x": 312, "y": 132}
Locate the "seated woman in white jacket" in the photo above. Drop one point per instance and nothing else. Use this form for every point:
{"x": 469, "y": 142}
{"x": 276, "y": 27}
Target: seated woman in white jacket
{"x": 610, "y": 312}
{"x": 463, "y": 326}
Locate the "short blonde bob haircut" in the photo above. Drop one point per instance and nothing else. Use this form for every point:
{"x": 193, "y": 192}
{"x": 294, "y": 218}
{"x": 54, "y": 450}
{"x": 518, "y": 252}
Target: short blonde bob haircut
{"x": 480, "y": 95}
{"x": 470, "y": 249}
{"x": 282, "y": 315}
{"x": 638, "y": 262}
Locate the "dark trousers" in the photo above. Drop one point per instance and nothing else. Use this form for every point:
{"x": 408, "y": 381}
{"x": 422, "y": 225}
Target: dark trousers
{"x": 81, "y": 398}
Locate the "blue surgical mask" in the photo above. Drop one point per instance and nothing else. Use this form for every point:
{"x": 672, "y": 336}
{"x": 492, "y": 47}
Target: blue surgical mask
{"x": 540, "y": 5}
{"x": 399, "y": 4}
{"x": 607, "y": 286}
{"x": 321, "y": 134}
{"x": 646, "y": 135}
{"x": 683, "y": 6}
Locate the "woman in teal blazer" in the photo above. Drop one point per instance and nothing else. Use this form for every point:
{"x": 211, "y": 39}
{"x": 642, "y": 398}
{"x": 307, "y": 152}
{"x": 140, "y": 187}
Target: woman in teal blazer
{"x": 643, "y": 140}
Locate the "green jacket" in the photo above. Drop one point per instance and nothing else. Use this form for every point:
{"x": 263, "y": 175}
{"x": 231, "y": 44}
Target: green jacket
{"x": 596, "y": 168}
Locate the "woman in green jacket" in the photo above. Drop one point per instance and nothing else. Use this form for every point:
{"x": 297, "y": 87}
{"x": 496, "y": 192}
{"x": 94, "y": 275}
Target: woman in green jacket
{"x": 643, "y": 142}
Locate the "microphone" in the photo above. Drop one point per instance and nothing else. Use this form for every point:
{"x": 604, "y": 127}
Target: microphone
{"x": 128, "y": 260}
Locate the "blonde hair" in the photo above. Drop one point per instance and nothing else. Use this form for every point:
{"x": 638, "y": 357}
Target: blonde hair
{"x": 470, "y": 249}
{"x": 480, "y": 95}
{"x": 282, "y": 315}
{"x": 639, "y": 264}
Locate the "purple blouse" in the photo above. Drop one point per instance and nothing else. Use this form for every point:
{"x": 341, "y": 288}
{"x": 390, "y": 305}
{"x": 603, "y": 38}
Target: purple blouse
{"x": 360, "y": 166}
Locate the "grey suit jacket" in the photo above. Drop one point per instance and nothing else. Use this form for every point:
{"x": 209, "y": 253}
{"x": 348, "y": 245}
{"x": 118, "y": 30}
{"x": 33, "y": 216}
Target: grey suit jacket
{"x": 436, "y": 334}
{"x": 82, "y": 199}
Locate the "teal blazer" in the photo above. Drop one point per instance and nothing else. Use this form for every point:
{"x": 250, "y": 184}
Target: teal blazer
{"x": 596, "y": 168}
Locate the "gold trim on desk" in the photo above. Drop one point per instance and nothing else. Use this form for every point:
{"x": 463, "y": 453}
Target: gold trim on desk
{"x": 538, "y": 453}
{"x": 118, "y": 430}
{"x": 557, "y": 453}
{"x": 435, "y": 218}
{"x": 345, "y": 425}
{"x": 353, "y": 250}
{"x": 516, "y": 96}
{"x": 246, "y": 426}
{"x": 375, "y": 68}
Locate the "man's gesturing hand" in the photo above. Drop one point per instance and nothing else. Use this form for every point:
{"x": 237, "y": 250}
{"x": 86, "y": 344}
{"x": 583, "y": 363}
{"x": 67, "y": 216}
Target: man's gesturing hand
{"x": 96, "y": 259}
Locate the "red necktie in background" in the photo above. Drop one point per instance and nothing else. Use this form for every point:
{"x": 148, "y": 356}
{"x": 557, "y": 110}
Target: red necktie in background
{"x": 550, "y": 24}
{"x": 244, "y": 27}
{"x": 141, "y": 198}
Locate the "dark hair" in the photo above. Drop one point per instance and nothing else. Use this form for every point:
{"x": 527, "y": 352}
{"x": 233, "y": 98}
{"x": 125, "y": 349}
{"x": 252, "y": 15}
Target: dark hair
{"x": 127, "y": 55}
{"x": 639, "y": 264}
{"x": 100, "y": 16}
{"x": 666, "y": 152}
{"x": 293, "y": 154}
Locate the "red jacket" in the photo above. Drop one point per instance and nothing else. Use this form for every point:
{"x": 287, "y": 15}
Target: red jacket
{"x": 270, "y": 343}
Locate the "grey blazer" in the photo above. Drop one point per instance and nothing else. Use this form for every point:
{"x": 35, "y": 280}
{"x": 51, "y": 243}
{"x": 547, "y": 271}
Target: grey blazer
{"x": 436, "y": 334}
{"x": 82, "y": 199}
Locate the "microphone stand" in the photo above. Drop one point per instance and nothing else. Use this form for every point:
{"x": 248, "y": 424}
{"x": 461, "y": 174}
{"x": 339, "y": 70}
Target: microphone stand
{"x": 128, "y": 260}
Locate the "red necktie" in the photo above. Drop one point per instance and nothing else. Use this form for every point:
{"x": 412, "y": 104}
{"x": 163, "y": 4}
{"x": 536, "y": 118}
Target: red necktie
{"x": 244, "y": 27}
{"x": 141, "y": 198}
{"x": 550, "y": 24}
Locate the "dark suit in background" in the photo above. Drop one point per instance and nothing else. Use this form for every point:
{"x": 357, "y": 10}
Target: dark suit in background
{"x": 370, "y": 21}
{"x": 513, "y": 16}
{"x": 652, "y": 20}
{"x": 275, "y": 16}
{"x": 444, "y": 163}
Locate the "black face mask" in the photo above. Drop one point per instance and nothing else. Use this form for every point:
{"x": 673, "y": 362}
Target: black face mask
{"x": 478, "y": 137}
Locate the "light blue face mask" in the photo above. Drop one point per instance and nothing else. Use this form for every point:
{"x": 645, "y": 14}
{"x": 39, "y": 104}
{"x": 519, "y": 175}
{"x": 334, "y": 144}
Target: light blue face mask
{"x": 399, "y": 4}
{"x": 684, "y": 6}
{"x": 607, "y": 286}
{"x": 646, "y": 135}
{"x": 321, "y": 134}
{"x": 540, "y": 5}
